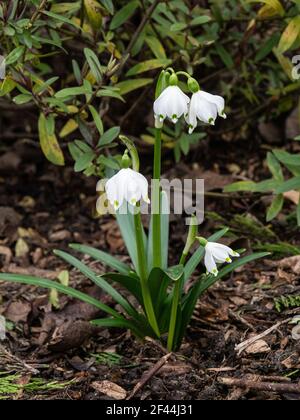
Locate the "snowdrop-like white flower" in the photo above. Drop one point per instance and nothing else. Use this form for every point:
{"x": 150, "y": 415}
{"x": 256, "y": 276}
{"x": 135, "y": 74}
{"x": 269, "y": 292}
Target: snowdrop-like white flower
{"x": 204, "y": 107}
{"x": 216, "y": 254}
{"x": 172, "y": 103}
{"x": 127, "y": 185}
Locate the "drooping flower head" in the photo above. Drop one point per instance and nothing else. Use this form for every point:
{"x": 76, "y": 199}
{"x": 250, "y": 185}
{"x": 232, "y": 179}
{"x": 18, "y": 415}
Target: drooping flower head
{"x": 203, "y": 106}
{"x": 127, "y": 185}
{"x": 216, "y": 254}
{"x": 172, "y": 102}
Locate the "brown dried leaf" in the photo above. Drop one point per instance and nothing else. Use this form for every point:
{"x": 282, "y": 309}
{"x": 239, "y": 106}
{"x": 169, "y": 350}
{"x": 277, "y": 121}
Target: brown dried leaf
{"x": 259, "y": 346}
{"x": 110, "y": 389}
{"x": 293, "y": 196}
{"x": 18, "y": 311}
{"x": 4, "y": 250}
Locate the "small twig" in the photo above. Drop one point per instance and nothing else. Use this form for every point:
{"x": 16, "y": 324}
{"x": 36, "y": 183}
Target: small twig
{"x": 245, "y": 344}
{"x": 135, "y": 105}
{"x": 262, "y": 386}
{"x": 148, "y": 375}
{"x": 38, "y": 11}
{"x": 15, "y": 359}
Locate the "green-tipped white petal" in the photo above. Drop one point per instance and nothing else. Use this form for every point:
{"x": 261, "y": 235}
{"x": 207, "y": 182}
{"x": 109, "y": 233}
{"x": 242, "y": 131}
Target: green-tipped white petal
{"x": 172, "y": 104}
{"x": 217, "y": 254}
{"x": 204, "y": 107}
{"x": 127, "y": 185}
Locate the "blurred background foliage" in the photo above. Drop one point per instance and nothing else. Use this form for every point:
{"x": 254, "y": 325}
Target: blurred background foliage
{"x": 87, "y": 69}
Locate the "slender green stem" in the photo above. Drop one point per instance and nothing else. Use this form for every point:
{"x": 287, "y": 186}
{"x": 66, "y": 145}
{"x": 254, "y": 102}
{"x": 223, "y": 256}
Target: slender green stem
{"x": 157, "y": 200}
{"x": 173, "y": 319}
{"x": 174, "y": 310}
{"x": 142, "y": 271}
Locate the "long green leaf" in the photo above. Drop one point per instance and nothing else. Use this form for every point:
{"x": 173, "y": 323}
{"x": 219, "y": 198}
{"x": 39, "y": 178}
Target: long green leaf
{"x": 130, "y": 283}
{"x": 117, "y": 323}
{"x": 103, "y": 257}
{"x": 211, "y": 280}
{"x": 49, "y": 284}
{"x": 126, "y": 224}
{"x": 99, "y": 281}
{"x": 291, "y": 184}
{"x": 165, "y": 227}
{"x": 123, "y": 14}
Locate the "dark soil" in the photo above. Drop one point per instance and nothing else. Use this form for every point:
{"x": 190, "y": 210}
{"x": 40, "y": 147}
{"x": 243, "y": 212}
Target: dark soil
{"x": 43, "y": 208}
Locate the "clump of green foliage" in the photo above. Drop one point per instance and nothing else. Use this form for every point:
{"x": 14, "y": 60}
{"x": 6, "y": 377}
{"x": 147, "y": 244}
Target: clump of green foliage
{"x": 10, "y": 385}
{"x": 278, "y": 161}
{"x": 287, "y": 302}
{"x": 76, "y": 61}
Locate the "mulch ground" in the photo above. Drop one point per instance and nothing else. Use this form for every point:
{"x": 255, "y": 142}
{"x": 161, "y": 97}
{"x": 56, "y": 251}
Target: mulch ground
{"x": 43, "y": 208}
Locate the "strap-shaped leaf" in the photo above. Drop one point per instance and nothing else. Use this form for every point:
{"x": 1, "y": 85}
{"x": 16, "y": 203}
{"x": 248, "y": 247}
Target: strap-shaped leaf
{"x": 130, "y": 283}
{"x": 49, "y": 284}
{"x": 126, "y": 225}
{"x": 165, "y": 227}
{"x": 158, "y": 281}
{"x": 175, "y": 273}
{"x": 99, "y": 281}
{"x": 103, "y": 257}
{"x": 117, "y": 323}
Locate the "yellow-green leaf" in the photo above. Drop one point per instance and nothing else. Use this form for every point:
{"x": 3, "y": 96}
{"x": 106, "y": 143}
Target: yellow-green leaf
{"x": 7, "y": 86}
{"x": 285, "y": 63}
{"x": 94, "y": 13}
{"x": 49, "y": 143}
{"x": 123, "y": 14}
{"x": 132, "y": 84}
{"x": 290, "y": 35}
{"x": 149, "y": 65}
{"x": 68, "y": 128}
{"x": 156, "y": 47}
{"x": 21, "y": 248}
{"x": 273, "y": 4}
{"x": 64, "y": 277}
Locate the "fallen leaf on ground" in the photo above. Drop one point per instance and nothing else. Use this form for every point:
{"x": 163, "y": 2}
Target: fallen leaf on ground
{"x": 61, "y": 235}
{"x": 292, "y": 362}
{"x": 18, "y": 311}
{"x": 296, "y": 332}
{"x": 27, "y": 202}
{"x": 293, "y": 196}
{"x": 110, "y": 389}
{"x": 259, "y": 346}
{"x": 4, "y": 250}
{"x": 292, "y": 263}
{"x": 21, "y": 248}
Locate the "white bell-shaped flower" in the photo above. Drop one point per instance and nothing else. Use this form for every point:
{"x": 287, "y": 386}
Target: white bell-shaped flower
{"x": 217, "y": 254}
{"x": 127, "y": 185}
{"x": 204, "y": 107}
{"x": 171, "y": 103}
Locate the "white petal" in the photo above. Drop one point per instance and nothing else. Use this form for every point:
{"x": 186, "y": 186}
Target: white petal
{"x": 210, "y": 263}
{"x": 205, "y": 111}
{"x": 113, "y": 194}
{"x": 172, "y": 103}
{"x": 144, "y": 187}
{"x": 214, "y": 99}
{"x": 221, "y": 255}
{"x": 191, "y": 117}
{"x": 227, "y": 249}
{"x": 222, "y": 252}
